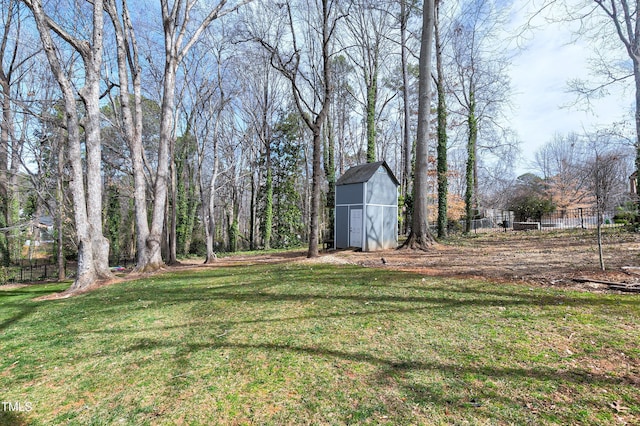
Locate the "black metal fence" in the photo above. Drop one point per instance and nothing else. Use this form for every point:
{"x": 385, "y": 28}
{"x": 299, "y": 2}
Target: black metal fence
{"x": 43, "y": 270}
{"x": 30, "y": 272}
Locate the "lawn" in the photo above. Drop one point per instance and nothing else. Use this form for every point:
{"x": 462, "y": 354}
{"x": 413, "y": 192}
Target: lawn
{"x": 301, "y": 343}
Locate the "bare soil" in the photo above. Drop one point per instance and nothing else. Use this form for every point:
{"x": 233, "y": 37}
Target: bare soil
{"x": 542, "y": 258}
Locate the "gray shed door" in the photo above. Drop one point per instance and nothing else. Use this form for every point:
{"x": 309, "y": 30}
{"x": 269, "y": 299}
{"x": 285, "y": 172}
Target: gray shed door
{"x": 355, "y": 228}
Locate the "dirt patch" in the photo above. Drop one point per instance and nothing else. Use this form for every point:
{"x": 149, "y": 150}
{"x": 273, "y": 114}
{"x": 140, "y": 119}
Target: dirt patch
{"x": 542, "y": 258}
{"x": 537, "y": 258}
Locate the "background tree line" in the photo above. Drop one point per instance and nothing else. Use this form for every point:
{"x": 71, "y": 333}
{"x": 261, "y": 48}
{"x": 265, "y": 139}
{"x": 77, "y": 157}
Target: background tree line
{"x": 157, "y": 130}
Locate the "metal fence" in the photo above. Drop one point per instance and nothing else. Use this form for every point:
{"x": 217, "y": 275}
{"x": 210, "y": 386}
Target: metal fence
{"x": 44, "y": 270}
{"x": 29, "y": 272}
{"x": 580, "y": 218}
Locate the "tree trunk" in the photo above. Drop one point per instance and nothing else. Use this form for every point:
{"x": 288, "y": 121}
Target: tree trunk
{"x": 90, "y": 95}
{"x": 172, "y": 224}
{"x": 209, "y": 208}
{"x": 442, "y": 133}
{"x": 636, "y": 75}
{"x": 154, "y": 241}
{"x": 60, "y": 213}
{"x": 93, "y": 248}
{"x": 316, "y": 194}
{"x": 127, "y": 56}
{"x": 372, "y": 94}
{"x": 406, "y": 136}
{"x": 6, "y": 123}
{"x": 420, "y": 237}
{"x": 330, "y": 173}
{"x": 133, "y": 128}
{"x": 252, "y": 213}
{"x": 210, "y": 223}
{"x": 10, "y": 146}
{"x": 599, "y": 230}
{"x": 268, "y": 204}
{"x": 472, "y": 124}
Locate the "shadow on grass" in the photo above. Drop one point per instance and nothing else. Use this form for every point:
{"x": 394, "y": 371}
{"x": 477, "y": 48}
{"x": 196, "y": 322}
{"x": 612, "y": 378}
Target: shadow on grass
{"x": 257, "y": 288}
{"x": 11, "y": 418}
{"x": 23, "y": 312}
{"x": 345, "y": 291}
{"x": 467, "y": 399}
{"x": 570, "y": 376}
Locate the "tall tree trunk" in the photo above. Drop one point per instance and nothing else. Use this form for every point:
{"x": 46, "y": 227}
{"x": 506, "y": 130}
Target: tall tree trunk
{"x": 316, "y": 193}
{"x": 154, "y": 240}
{"x": 442, "y": 132}
{"x": 90, "y": 95}
{"x": 6, "y": 124}
{"x": 472, "y": 140}
{"x": 372, "y": 95}
{"x": 127, "y": 58}
{"x": 209, "y": 209}
{"x": 10, "y": 148}
{"x": 406, "y": 131}
{"x": 59, "y": 214}
{"x": 252, "y": 213}
{"x": 268, "y": 202}
{"x": 172, "y": 236}
{"x": 636, "y": 75}
{"x": 93, "y": 248}
{"x": 420, "y": 237}
{"x": 330, "y": 173}
{"x": 177, "y": 43}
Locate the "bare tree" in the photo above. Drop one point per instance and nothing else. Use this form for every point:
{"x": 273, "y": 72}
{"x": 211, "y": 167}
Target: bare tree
{"x": 559, "y": 161}
{"x": 311, "y": 86}
{"x": 480, "y": 86}
{"x": 262, "y": 98}
{"x": 15, "y": 59}
{"x": 131, "y": 116}
{"x": 179, "y": 38}
{"x": 441, "y": 149}
{"x": 407, "y": 141}
{"x": 612, "y": 26}
{"x": 368, "y": 45}
{"x": 601, "y": 169}
{"x": 420, "y": 237}
{"x": 209, "y": 94}
{"x": 93, "y": 247}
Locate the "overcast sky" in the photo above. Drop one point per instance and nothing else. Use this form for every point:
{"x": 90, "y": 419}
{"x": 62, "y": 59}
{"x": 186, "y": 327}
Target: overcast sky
{"x": 539, "y": 77}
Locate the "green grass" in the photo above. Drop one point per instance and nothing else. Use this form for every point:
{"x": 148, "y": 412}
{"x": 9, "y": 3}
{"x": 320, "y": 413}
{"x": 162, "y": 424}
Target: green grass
{"x": 318, "y": 344}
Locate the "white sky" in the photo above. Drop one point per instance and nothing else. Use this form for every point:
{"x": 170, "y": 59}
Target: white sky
{"x": 539, "y": 77}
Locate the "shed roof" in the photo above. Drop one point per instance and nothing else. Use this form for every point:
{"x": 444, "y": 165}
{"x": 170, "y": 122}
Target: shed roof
{"x": 364, "y": 172}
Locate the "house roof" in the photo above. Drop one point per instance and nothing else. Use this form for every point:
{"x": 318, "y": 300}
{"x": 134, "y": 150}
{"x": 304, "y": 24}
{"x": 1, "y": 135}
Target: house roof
{"x": 364, "y": 172}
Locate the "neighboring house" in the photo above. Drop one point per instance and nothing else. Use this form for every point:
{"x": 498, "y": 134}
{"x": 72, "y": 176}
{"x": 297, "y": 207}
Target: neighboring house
{"x": 41, "y": 231}
{"x": 366, "y": 213}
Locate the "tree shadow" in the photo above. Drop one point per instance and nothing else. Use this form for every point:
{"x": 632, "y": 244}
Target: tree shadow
{"x": 396, "y": 373}
{"x": 11, "y": 418}
{"x": 23, "y": 312}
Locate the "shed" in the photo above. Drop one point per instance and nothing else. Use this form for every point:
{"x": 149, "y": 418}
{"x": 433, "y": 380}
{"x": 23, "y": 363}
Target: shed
{"x": 366, "y": 214}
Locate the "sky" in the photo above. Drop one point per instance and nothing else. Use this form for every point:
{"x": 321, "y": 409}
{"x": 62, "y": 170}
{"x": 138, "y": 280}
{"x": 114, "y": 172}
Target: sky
{"x": 541, "y": 99}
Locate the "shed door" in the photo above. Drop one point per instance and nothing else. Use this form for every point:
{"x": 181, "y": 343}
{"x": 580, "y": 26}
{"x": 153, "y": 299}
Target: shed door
{"x": 355, "y": 228}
